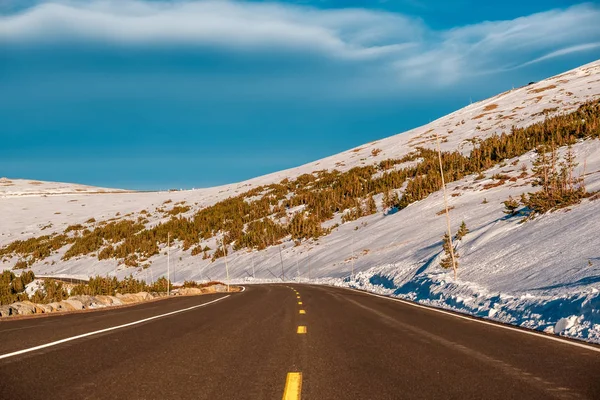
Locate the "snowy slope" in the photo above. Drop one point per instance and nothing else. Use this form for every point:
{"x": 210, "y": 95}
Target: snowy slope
{"x": 22, "y": 187}
{"x": 543, "y": 274}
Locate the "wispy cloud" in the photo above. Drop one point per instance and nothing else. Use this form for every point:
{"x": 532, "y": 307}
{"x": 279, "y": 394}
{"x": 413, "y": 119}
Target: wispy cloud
{"x": 404, "y": 46}
{"x": 352, "y": 33}
{"x": 563, "y": 52}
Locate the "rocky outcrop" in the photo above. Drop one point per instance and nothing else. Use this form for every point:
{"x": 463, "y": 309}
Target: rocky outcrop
{"x": 24, "y": 308}
{"x": 129, "y": 298}
{"x": 6, "y": 311}
{"x": 84, "y": 302}
{"x": 75, "y": 303}
{"x": 191, "y": 291}
{"x": 104, "y": 301}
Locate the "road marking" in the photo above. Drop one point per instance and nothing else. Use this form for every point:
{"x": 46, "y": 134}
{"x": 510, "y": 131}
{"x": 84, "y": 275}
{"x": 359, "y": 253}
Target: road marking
{"x": 302, "y": 329}
{"x": 43, "y": 346}
{"x": 468, "y": 318}
{"x": 297, "y": 297}
{"x": 293, "y": 386}
{"x": 299, "y": 303}
{"x": 302, "y": 312}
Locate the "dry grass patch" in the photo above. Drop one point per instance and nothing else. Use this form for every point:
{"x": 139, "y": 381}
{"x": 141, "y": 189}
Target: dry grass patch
{"x": 420, "y": 136}
{"x": 444, "y": 211}
{"x": 490, "y": 107}
{"x": 545, "y": 111}
{"x": 542, "y": 89}
{"x": 538, "y": 99}
{"x": 494, "y": 184}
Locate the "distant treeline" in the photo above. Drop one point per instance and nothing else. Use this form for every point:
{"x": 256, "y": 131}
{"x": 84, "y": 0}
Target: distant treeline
{"x": 12, "y": 288}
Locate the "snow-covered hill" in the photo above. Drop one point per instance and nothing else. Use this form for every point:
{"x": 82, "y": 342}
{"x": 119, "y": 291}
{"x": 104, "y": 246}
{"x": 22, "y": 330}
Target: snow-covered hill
{"x": 543, "y": 274}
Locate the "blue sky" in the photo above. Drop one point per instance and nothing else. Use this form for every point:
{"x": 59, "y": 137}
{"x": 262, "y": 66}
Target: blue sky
{"x": 164, "y": 94}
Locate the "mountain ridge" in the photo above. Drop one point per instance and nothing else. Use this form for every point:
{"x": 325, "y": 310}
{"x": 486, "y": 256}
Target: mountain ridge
{"x": 508, "y": 270}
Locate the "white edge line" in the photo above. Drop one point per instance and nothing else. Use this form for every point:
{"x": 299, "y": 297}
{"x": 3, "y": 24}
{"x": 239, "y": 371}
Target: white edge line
{"x": 243, "y": 289}
{"x": 43, "y": 346}
{"x": 481, "y": 321}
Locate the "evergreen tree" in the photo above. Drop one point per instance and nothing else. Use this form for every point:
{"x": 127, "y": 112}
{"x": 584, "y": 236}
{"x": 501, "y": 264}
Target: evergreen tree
{"x": 17, "y": 285}
{"x": 371, "y": 206}
{"x": 510, "y": 206}
{"x": 462, "y": 231}
{"x": 446, "y": 261}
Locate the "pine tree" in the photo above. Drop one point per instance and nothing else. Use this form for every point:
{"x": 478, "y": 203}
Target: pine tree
{"x": 387, "y": 198}
{"x": 371, "y": 206}
{"x": 510, "y": 206}
{"x": 568, "y": 166}
{"x": 446, "y": 261}
{"x": 462, "y": 231}
{"x": 541, "y": 168}
{"x": 17, "y": 285}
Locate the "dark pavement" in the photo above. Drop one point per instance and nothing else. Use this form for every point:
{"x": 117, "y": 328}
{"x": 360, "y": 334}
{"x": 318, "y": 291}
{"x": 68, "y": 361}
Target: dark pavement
{"x": 356, "y": 346}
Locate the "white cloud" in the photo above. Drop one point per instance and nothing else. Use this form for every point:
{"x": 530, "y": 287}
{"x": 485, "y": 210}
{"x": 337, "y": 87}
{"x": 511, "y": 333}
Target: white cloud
{"x": 404, "y": 45}
{"x": 353, "y": 33}
{"x": 563, "y": 52}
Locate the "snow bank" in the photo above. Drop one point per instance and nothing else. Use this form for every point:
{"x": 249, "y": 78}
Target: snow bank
{"x": 574, "y": 315}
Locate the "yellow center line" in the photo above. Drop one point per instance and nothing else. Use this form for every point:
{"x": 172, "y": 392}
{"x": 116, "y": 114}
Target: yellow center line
{"x": 302, "y": 329}
{"x": 298, "y": 297}
{"x": 293, "y": 386}
{"x": 299, "y": 303}
{"x": 302, "y": 311}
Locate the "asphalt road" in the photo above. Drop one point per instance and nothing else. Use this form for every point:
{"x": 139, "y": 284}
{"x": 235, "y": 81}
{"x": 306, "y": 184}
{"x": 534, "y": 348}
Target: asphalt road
{"x": 356, "y": 346}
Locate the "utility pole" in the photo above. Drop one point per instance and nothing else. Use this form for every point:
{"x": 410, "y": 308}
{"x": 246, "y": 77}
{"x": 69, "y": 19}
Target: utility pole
{"x": 281, "y": 258}
{"x": 352, "y": 276}
{"x": 168, "y": 264}
{"x": 297, "y": 269}
{"x": 583, "y": 175}
{"x": 446, "y": 206}
{"x": 200, "y": 265}
{"x": 253, "y": 276}
{"x": 175, "y": 269}
{"x": 226, "y": 265}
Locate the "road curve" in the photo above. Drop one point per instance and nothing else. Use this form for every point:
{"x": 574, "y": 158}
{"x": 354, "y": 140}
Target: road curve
{"x": 286, "y": 340}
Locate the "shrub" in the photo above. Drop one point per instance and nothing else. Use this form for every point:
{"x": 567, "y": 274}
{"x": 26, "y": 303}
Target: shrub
{"x": 510, "y": 206}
